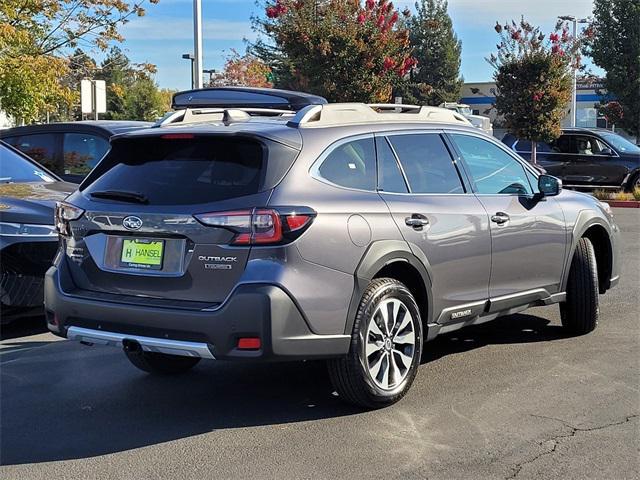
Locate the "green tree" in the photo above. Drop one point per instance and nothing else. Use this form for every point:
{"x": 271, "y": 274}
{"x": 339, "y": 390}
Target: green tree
{"x": 131, "y": 91}
{"x": 343, "y": 50}
{"x": 119, "y": 74}
{"x": 533, "y": 79}
{"x": 143, "y": 100}
{"x": 614, "y": 44}
{"x": 35, "y": 37}
{"x": 437, "y": 50}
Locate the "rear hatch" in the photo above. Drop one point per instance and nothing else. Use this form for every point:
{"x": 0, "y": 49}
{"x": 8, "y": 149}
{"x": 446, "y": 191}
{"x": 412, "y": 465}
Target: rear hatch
{"x": 171, "y": 217}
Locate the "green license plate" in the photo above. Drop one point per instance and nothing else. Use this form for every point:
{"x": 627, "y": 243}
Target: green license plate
{"x": 142, "y": 253}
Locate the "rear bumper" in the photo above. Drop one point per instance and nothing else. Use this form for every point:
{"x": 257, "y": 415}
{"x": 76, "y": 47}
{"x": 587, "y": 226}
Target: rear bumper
{"x": 253, "y": 310}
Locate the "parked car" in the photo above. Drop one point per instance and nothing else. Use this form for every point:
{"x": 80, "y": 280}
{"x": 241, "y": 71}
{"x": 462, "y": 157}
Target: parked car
{"x": 586, "y": 158}
{"x": 479, "y": 121}
{"x": 69, "y": 149}
{"x": 341, "y": 232}
{"x": 28, "y": 238}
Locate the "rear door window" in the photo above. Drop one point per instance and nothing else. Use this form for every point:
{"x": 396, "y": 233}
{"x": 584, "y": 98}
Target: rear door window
{"x": 189, "y": 171}
{"x": 351, "y": 164}
{"x": 82, "y": 152}
{"x": 41, "y": 147}
{"x": 427, "y": 163}
{"x": 525, "y": 146}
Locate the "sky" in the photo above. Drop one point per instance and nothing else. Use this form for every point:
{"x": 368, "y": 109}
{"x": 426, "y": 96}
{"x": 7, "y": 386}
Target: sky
{"x": 166, "y": 32}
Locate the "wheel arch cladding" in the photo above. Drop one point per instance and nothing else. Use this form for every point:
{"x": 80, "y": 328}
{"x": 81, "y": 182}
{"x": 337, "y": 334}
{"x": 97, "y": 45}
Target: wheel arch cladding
{"x": 601, "y": 242}
{"x": 392, "y": 259}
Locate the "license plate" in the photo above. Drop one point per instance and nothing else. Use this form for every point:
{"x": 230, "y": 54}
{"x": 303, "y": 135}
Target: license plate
{"x": 142, "y": 253}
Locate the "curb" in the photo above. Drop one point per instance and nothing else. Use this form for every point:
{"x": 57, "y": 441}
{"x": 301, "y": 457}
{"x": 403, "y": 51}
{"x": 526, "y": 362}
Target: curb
{"x": 622, "y": 203}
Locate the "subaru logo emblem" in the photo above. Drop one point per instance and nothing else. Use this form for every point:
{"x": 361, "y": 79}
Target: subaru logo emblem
{"x": 131, "y": 223}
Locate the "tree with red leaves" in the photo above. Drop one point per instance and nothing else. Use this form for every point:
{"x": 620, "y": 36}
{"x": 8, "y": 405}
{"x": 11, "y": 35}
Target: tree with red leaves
{"x": 533, "y": 79}
{"x": 245, "y": 70}
{"x": 344, "y": 50}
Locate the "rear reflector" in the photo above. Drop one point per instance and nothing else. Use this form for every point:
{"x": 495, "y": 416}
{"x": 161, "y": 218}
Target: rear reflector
{"x": 249, "y": 343}
{"x": 294, "y": 221}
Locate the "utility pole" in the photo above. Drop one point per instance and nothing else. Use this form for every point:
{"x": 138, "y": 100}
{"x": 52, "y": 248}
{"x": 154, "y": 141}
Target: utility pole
{"x": 197, "y": 43}
{"x": 574, "y": 90}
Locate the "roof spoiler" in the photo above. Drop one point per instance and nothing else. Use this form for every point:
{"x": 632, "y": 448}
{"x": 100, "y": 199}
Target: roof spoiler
{"x": 245, "y": 98}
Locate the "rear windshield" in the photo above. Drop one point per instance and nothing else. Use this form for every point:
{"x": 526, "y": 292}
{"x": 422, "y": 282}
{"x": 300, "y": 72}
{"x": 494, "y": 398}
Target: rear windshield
{"x": 183, "y": 171}
{"x": 14, "y": 169}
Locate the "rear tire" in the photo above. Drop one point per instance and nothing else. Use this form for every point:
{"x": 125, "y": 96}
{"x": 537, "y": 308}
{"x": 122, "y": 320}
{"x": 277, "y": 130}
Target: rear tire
{"x": 386, "y": 346}
{"x": 579, "y": 313}
{"x": 161, "y": 363}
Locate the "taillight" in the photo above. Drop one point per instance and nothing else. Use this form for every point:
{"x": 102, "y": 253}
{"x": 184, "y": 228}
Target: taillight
{"x": 261, "y": 226}
{"x": 64, "y": 213}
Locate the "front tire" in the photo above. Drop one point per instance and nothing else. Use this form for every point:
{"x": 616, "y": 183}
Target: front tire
{"x": 386, "y": 346}
{"x": 579, "y": 313}
{"x": 161, "y": 363}
{"x": 634, "y": 183}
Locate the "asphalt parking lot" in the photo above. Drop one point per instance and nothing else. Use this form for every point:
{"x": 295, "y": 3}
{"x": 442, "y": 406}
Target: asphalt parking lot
{"x": 511, "y": 399}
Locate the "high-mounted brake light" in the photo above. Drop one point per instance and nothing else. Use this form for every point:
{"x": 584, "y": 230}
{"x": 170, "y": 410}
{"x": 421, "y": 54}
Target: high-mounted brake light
{"x": 177, "y": 136}
{"x": 261, "y": 226}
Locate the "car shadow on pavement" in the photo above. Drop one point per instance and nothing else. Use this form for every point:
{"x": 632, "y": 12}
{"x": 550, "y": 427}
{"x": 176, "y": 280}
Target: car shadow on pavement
{"x": 23, "y": 327}
{"x": 67, "y": 401}
{"x": 519, "y": 328}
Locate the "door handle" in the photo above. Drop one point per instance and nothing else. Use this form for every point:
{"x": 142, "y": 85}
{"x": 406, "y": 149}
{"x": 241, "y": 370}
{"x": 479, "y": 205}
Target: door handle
{"x": 500, "y": 218}
{"x": 416, "y": 221}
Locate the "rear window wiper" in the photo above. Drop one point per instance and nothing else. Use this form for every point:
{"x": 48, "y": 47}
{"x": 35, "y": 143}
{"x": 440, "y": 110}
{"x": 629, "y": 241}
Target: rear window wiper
{"x": 121, "y": 195}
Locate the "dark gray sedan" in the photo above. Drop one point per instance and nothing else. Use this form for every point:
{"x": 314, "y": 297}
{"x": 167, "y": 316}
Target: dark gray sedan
{"x": 28, "y": 239}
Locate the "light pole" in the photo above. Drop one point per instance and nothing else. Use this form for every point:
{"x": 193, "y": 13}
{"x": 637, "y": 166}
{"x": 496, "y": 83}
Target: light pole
{"x": 197, "y": 43}
{"x": 188, "y": 56}
{"x": 211, "y": 73}
{"x": 574, "y": 90}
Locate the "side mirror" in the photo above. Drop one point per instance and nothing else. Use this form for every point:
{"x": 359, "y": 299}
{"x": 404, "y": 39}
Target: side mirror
{"x": 549, "y": 186}
{"x": 606, "y": 152}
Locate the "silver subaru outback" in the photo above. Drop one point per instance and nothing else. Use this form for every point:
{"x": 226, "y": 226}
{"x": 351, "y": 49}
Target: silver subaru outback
{"x": 286, "y": 228}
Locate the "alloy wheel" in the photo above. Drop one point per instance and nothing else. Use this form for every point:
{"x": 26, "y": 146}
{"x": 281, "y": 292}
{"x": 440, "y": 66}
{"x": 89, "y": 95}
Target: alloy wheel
{"x": 390, "y": 344}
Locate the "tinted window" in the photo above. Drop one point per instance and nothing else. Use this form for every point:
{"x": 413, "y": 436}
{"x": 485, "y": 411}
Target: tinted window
{"x": 493, "y": 170}
{"x": 82, "y": 152}
{"x": 190, "y": 171}
{"x": 426, "y": 163}
{"x": 621, "y": 144}
{"x": 564, "y": 144}
{"x": 389, "y": 174}
{"x": 525, "y": 146}
{"x": 40, "y": 147}
{"x": 351, "y": 165}
{"x": 14, "y": 168}
{"x": 587, "y": 145}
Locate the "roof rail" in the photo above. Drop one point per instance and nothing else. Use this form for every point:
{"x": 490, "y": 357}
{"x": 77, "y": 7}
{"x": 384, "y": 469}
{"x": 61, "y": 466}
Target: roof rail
{"x": 334, "y": 114}
{"x": 224, "y": 115}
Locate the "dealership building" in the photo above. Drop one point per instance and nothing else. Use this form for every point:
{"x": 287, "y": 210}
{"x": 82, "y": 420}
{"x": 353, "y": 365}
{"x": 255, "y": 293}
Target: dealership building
{"x": 481, "y": 98}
